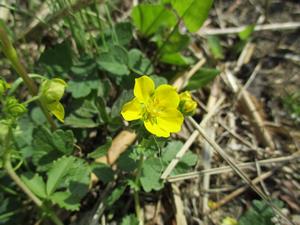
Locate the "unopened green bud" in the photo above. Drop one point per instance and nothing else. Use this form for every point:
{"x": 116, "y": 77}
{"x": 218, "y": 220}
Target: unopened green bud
{"x": 4, "y": 129}
{"x": 187, "y": 105}
{"x": 13, "y": 108}
{"x": 53, "y": 90}
{"x": 3, "y": 86}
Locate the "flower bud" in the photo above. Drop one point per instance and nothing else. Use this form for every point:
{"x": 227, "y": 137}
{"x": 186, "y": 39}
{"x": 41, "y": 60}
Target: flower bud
{"x": 3, "y": 86}
{"x": 187, "y": 105}
{"x": 13, "y": 108}
{"x": 53, "y": 90}
{"x": 229, "y": 221}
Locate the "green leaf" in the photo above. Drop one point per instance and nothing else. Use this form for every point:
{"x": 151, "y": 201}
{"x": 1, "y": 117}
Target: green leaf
{"x": 260, "y": 213}
{"x": 176, "y": 59}
{"x": 125, "y": 162}
{"x": 60, "y": 55}
{"x": 114, "y": 61}
{"x": 50, "y": 146}
{"x": 188, "y": 160}
{"x": 79, "y": 89}
{"x": 139, "y": 62}
{"x": 202, "y": 78}
{"x": 65, "y": 200}
{"x": 64, "y": 141}
{"x": 68, "y": 181}
{"x": 35, "y": 183}
{"x": 58, "y": 173}
{"x": 193, "y": 12}
{"x": 115, "y": 195}
{"x": 247, "y": 32}
{"x": 80, "y": 122}
{"x": 130, "y": 220}
{"x": 149, "y": 18}
{"x": 151, "y": 172}
{"x": 215, "y": 47}
{"x": 103, "y": 172}
{"x": 176, "y": 43}
{"x": 124, "y": 32}
{"x": 101, "y": 150}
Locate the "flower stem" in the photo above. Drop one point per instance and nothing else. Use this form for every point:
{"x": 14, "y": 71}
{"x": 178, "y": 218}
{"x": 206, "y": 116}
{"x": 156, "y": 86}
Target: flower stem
{"x": 136, "y": 197}
{"x": 14, "y": 176}
{"x": 11, "y": 53}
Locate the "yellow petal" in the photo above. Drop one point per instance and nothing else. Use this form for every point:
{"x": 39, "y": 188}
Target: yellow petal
{"x": 57, "y": 109}
{"x": 143, "y": 88}
{"x": 132, "y": 110}
{"x": 170, "y": 119}
{"x": 155, "y": 129}
{"x": 166, "y": 95}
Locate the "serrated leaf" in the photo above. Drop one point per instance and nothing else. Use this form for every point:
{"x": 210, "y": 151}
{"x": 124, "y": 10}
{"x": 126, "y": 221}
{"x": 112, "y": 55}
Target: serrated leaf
{"x": 149, "y": 18}
{"x": 50, "y": 146}
{"x": 68, "y": 181}
{"x": 58, "y": 172}
{"x": 35, "y": 183}
{"x": 202, "y": 78}
{"x": 151, "y": 172}
{"x": 193, "y": 12}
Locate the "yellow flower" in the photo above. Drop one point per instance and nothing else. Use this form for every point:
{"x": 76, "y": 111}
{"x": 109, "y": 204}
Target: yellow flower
{"x": 187, "y": 105}
{"x": 156, "y": 107}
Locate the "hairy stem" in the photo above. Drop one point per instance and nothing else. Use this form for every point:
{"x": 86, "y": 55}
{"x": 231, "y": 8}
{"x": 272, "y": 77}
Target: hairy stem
{"x": 11, "y": 53}
{"x": 136, "y": 197}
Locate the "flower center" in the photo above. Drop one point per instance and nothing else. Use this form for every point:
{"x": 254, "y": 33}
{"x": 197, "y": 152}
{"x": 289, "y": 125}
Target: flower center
{"x": 151, "y": 110}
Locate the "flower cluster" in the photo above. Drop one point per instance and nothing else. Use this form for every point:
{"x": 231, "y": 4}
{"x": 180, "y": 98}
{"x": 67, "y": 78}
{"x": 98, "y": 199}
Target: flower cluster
{"x": 158, "y": 108}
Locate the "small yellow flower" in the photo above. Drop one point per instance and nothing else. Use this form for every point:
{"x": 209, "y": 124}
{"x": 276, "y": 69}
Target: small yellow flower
{"x": 187, "y": 105}
{"x": 156, "y": 107}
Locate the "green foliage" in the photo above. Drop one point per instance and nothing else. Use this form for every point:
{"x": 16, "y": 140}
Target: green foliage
{"x": 260, "y": 213}
{"x": 149, "y": 18}
{"x": 247, "y": 32}
{"x": 292, "y": 104}
{"x": 202, "y": 78}
{"x": 215, "y": 47}
{"x": 153, "y": 166}
{"x": 114, "y": 61}
{"x": 67, "y": 182}
{"x": 50, "y": 146}
{"x": 193, "y": 12}
{"x": 59, "y": 57}
{"x": 130, "y": 220}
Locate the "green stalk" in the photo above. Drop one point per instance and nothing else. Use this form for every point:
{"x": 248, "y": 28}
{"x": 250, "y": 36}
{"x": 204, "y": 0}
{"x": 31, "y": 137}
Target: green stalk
{"x": 11, "y": 54}
{"x": 14, "y": 176}
{"x": 136, "y": 192}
